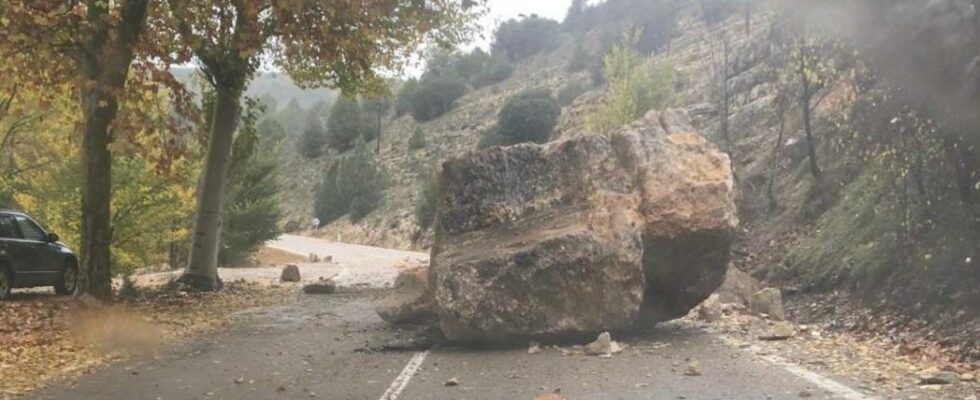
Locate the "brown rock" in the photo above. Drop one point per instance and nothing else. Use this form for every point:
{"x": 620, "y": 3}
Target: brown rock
{"x": 768, "y": 301}
{"x": 290, "y": 274}
{"x": 780, "y": 331}
{"x": 324, "y": 286}
{"x": 581, "y": 235}
{"x": 710, "y": 310}
{"x": 411, "y": 299}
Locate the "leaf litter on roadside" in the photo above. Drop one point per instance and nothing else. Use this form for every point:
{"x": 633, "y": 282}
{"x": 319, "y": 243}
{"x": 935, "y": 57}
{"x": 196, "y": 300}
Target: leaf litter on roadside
{"x": 46, "y": 337}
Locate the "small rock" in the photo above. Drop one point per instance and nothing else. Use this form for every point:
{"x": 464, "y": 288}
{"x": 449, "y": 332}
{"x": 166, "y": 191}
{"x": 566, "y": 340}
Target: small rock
{"x": 710, "y": 310}
{"x": 534, "y": 348}
{"x": 968, "y": 377}
{"x": 971, "y": 397}
{"x": 314, "y": 258}
{"x": 327, "y": 259}
{"x": 768, "y": 301}
{"x": 451, "y": 382}
{"x": 290, "y": 274}
{"x": 240, "y": 380}
{"x": 603, "y": 346}
{"x": 326, "y": 286}
{"x": 693, "y": 369}
{"x": 556, "y": 395}
{"x": 806, "y": 393}
{"x": 779, "y": 331}
{"x": 939, "y": 378}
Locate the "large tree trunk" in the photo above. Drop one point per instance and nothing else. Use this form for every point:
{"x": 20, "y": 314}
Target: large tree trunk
{"x": 100, "y": 110}
{"x": 105, "y": 67}
{"x": 811, "y": 146}
{"x": 202, "y": 268}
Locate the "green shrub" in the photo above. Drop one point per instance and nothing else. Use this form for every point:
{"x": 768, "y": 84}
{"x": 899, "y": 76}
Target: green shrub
{"x": 406, "y": 95}
{"x": 427, "y": 202}
{"x": 529, "y": 116}
{"x": 417, "y": 141}
{"x": 496, "y": 70}
{"x": 492, "y": 137}
{"x": 571, "y": 91}
{"x": 353, "y": 184}
{"x": 310, "y": 144}
{"x": 634, "y": 88}
{"x": 435, "y": 96}
{"x": 344, "y": 125}
{"x": 522, "y": 38}
{"x": 250, "y": 213}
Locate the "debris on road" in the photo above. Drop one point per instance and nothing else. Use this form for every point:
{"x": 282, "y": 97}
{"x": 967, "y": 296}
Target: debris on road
{"x": 533, "y": 348}
{"x": 411, "y": 300}
{"x": 583, "y": 212}
{"x": 290, "y": 273}
{"x": 693, "y": 369}
{"x": 451, "y": 382}
{"x": 939, "y": 378}
{"x": 603, "y": 346}
{"x": 768, "y": 301}
{"x": 710, "y": 310}
{"x": 323, "y": 286}
{"x": 779, "y": 331}
{"x": 556, "y": 395}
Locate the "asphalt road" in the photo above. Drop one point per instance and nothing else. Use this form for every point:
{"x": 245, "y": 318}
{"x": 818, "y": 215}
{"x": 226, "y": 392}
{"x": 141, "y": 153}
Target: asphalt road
{"x": 335, "y": 347}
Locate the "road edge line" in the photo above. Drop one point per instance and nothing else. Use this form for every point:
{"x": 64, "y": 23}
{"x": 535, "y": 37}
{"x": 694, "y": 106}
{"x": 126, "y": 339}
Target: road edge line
{"x": 820, "y": 381}
{"x": 401, "y": 381}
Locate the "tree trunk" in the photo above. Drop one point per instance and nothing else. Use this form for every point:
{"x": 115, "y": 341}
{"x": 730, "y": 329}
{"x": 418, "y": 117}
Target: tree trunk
{"x": 100, "y": 110}
{"x": 202, "y": 268}
{"x": 810, "y": 144}
{"x": 770, "y": 193}
{"x": 104, "y": 70}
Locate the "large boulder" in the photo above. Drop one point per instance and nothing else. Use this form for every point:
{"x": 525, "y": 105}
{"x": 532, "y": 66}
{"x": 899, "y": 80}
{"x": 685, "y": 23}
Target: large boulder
{"x": 587, "y": 234}
{"x": 537, "y": 241}
{"x": 688, "y": 209}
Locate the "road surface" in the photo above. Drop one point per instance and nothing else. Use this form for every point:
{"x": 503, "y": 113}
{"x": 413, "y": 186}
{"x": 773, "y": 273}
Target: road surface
{"x": 335, "y": 347}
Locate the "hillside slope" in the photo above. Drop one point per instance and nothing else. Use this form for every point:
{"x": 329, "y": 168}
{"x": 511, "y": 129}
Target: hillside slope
{"x": 860, "y": 226}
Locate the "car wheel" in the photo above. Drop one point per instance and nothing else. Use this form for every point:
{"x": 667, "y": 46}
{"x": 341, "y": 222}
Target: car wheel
{"x": 6, "y": 283}
{"x": 69, "y": 280}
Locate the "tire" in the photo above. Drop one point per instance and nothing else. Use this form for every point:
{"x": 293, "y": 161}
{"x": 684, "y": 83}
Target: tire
{"x": 68, "y": 281}
{"x": 6, "y": 283}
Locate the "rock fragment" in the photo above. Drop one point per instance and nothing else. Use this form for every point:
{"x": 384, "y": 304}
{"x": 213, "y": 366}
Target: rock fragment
{"x": 939, "y": 378}
{"x": 290, "y": 274}
{"x": 693, "y": 369}
{"x": 451, "y": 382}
{"x": 411, "y": 299}
{"x": 768, "y": 301}
{"x": 782, "y": 330}
{"x": 323, "y": 286}
{"x": 710, "y": 310}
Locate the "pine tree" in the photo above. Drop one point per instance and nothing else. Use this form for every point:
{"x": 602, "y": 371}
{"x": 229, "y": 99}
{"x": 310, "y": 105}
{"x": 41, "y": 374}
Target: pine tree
{"x": 344, "y": 125}
{"x": 310, "y": 145}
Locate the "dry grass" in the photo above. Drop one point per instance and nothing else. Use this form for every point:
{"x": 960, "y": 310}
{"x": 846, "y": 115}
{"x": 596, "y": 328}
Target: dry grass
{"x": 46, "y": 338}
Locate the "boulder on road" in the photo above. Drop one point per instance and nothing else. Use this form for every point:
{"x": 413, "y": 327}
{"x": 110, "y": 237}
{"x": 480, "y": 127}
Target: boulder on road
{"x": 582, "y": 235}
{"x": 537, "y": 241}
{"x": 768, "y": 301}
{"x": 290, "y": 274}
{"x": 411, "y": 299}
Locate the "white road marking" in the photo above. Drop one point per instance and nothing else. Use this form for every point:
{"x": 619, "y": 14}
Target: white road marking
{"x": 402, "y": 379}
{"x": 820, "y": 381}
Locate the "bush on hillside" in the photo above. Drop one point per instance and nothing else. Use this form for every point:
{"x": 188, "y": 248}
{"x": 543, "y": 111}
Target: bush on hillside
{"x": 403, "y": 101}
{"x": 634, "y": 88}
{"x": 435, "y": 96}
{"x": 344, "y": 125}
{"x": 571, "y": 91}
{"x": 354, "y": 184}
{"x": 529, "y": 116}
{"x": 497, "y": 69}
{"x": 310, "y": 144}
{"x": 417, "y": 141}
{"x": 522, "y": 38}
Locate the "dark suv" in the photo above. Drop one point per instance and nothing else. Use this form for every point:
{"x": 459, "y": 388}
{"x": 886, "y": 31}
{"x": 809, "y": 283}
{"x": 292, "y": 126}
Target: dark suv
{"x": 31, "y": 257}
